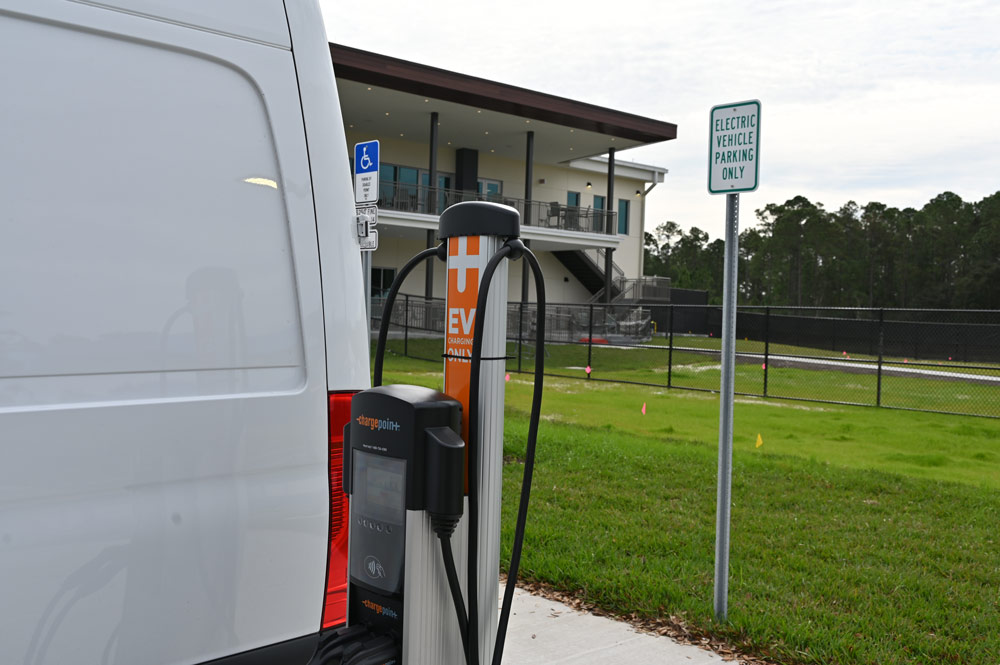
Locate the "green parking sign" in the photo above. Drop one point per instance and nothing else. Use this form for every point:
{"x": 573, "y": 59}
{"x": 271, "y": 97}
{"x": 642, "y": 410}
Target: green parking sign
{"x": 734, "y": 148}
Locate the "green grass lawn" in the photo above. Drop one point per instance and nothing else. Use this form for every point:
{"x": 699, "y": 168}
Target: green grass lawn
{"x": 858, "y": 535}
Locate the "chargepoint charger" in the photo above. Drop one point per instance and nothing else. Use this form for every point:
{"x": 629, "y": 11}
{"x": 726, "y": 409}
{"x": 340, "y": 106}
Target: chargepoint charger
{"x": 421, "y": 497}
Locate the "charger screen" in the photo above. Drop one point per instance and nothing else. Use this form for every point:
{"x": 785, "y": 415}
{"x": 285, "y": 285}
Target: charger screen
{"x": 382, "y": 481}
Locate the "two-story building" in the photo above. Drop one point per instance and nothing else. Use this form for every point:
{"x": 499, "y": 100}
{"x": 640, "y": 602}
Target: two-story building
{"x": 447, "y": 137}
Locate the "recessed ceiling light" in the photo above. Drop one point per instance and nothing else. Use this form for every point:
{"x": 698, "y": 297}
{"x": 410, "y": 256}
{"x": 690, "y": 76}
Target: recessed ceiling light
{"x": 571, "y": 131}
{"x": 351, "y": 126}
{"x": 426, "y": 100}
{"x": 401, "y": 133}
{"x": 527, "y": 122}
{"x": 487, "y": 133}
{"x": 492, "y": 150}
{"x": 479, "y": 111}
{"x": 369, "y": 87}
{"x": 387, "y": 113}
{"x": 571, "y": 149}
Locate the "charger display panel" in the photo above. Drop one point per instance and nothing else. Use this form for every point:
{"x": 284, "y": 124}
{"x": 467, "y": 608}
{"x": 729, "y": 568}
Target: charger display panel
{"x": 379, "y": 514}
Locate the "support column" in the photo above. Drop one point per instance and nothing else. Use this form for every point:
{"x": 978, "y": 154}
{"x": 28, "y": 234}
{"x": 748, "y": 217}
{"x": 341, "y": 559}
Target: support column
{"x": 529, "y": 177}
{"x": 430, "y": 204}
{"x": 609, "y": 227}
{"x": 431, "y": 199}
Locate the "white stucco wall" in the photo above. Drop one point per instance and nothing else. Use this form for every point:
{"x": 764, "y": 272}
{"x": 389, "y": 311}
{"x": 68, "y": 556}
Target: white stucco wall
{"x": 560, "y": 285}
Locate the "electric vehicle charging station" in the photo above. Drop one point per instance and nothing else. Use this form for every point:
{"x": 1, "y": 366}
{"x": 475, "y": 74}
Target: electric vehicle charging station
{"x": 424, "y": 470}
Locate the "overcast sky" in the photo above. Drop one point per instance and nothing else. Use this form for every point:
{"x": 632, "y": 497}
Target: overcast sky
{"x": 891, "y": 101}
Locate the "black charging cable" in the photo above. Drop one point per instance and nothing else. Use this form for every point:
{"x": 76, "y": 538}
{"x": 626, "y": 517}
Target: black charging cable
{"x": 456, "y": 590}
{"x": 441, "y": 252}
{"x": 472, "y": 650}
{"x": 529, "y": 456}
{"x": 514, "y": 249}
{"x": 445, "y": 459}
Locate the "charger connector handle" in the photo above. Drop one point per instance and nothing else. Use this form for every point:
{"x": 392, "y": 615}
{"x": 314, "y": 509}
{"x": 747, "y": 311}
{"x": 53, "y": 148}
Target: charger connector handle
{"x": 444, "y": 456}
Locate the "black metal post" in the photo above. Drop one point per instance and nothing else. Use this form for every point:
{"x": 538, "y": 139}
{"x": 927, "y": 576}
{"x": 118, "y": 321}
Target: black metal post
{"x": 871, "y": 337}
{"x": 529, "y": 159}
{"x": 406, "y": 325}
{"x": 881, "y": 340}
{"x": 520, "y": 335}
{"x": 430, "y": 201}
{"x": 670, "y": 346}
{"x": 609, "y": 227}
{"x": 767, "y": 345}
{"x": 590, "y": 338}
{"x": 429, "y": 207}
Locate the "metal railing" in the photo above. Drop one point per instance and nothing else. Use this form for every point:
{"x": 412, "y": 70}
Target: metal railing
{"x": 545, "y": 214}
{"x": 646, "y": 288}
{"x": 945, "y": 361}
{"x": 597, "y": 254}
{"x": 637, "y": 289}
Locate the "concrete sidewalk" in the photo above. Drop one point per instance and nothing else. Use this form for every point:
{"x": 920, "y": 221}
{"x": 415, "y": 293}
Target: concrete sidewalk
{"x": 546, "y": 632}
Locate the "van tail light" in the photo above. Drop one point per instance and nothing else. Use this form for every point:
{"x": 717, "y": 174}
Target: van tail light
{"x": 335, "y": 604}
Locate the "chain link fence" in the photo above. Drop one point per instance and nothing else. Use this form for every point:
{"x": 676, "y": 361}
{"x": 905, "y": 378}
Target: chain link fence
{"x": 945, "y": 361}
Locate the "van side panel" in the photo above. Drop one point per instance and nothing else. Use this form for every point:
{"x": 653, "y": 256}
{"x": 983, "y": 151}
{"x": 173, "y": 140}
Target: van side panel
{"x": 150, "y": 226}
{"x": 347, "y": 363}
{"x": 163, "y": 488}
{"x": 259, "y": 20}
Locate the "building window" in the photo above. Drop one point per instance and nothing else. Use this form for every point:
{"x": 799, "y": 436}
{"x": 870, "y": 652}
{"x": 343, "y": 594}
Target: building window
{"x": 623, "y": 217}
{"x": 443, "y": 198}
{"x": 600, "y": 222}
{"x": 573, "y": 199}
{"x": 490, "y": 190}
{"x": 405, "y": 188}
{"x": 381, "y": 281}
{"x": 398, "y": 188}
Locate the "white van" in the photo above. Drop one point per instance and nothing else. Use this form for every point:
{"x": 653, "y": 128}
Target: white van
{"x": 181, "y": 325}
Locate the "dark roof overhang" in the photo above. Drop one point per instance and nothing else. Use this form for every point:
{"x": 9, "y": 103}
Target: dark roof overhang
{"x": 404, "y": 76}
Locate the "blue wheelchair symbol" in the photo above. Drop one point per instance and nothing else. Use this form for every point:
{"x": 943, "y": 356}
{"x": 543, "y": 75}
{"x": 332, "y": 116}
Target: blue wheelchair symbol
{"x": 366, "y": 157}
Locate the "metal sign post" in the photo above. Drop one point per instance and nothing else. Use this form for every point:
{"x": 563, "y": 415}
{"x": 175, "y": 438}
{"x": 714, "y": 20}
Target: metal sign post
{"x": 726, "y": 397}
{"x": 733, "y": 167}
{"x": 367, "y": 219}
{"x": 366, "y": 164}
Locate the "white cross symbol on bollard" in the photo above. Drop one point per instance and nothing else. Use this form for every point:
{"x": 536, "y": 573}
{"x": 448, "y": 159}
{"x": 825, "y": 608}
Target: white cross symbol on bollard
{"x": 463, "y": 261}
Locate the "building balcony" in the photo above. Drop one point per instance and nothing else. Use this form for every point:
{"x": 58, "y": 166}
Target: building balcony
{"x": 543, "y": 214}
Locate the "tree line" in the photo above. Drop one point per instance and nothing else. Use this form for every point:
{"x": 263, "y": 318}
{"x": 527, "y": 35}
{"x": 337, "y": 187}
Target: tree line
{"x": 944, "y": 255}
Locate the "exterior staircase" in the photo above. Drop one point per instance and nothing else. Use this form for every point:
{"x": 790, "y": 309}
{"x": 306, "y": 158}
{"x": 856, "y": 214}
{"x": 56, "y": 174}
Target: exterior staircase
{"x": 588, "y": 267}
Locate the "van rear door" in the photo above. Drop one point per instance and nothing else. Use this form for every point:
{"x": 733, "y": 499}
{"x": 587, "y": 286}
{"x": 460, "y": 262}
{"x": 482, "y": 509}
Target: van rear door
{"x": 163, "y": 386}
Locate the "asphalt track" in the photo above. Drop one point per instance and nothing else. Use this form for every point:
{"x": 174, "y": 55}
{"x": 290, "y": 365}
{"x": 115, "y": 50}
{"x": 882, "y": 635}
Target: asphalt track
{"x": 918, "y": 370}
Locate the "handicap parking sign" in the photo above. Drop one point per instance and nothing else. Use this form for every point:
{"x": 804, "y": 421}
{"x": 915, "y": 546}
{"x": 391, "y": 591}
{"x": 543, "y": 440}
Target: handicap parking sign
{"x": 366, "y": 172}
